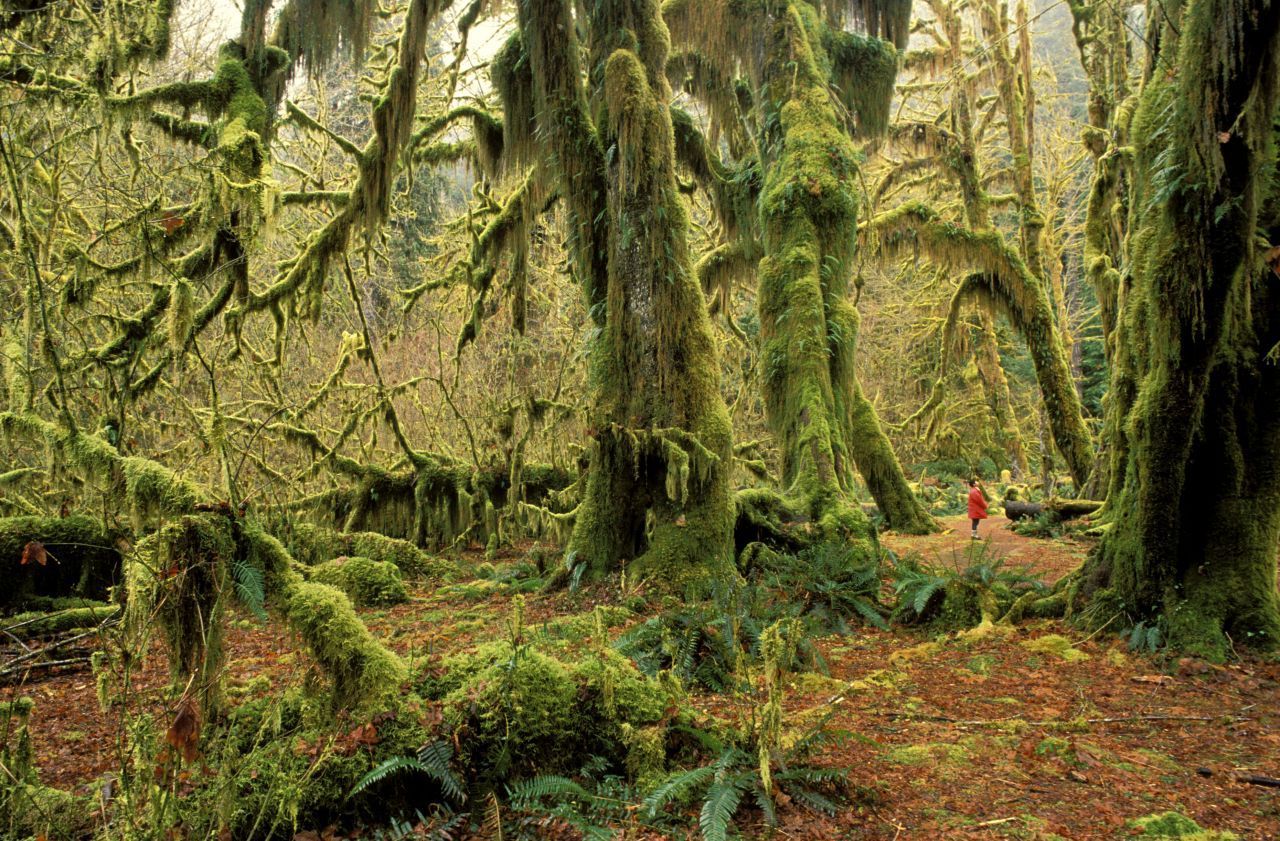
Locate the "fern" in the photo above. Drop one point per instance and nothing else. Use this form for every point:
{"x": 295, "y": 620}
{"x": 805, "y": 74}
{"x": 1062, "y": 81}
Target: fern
{"x": 524, "y": 794}
{"x": 432, "y": 760}
{"x": 250, "y": 587}
{"x": 718, "y": 809}
{"x": 677, "y": 784}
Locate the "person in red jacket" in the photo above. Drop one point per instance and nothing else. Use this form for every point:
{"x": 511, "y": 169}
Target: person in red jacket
{"x": 977, "y": 504}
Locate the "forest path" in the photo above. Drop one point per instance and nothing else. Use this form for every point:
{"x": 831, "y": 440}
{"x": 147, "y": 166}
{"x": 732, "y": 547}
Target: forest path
{"x": 953, "y": 548}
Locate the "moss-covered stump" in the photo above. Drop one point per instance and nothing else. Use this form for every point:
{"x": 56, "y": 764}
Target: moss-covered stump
{"x": 55, "y": 556}
{"x": 367, "y": 582}
{"x": 519, "y": 711}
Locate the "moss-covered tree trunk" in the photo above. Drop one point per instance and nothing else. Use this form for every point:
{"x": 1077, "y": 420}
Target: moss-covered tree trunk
{"x": 1197, "y": 517}
{"x": 657, "y": 494}
{"x": 808, "y": 327}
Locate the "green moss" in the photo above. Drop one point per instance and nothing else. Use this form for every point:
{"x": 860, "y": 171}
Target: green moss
{"x": 522, "y": 711}
{"x": 1057, "y": 645}
{"x": 1054, "y": 746}
{"x": 288, "y": 765}
{"x": 28, "y": 810}
{"x": 365, "y": 675}
{"x": 928, "y": 754}
{"x": 177, "y": 579}
{"x": 367, "y": 582}
{"x": 1176, "y": 825}
{"x": 39, "y": 623}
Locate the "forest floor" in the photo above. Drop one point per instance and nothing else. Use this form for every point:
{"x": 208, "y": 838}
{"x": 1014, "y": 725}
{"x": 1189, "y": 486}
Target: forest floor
{"x": 953, "y": 736}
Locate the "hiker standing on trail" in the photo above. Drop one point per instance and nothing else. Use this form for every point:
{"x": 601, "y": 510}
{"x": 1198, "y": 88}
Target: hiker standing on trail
{"x": 977, "y": 504}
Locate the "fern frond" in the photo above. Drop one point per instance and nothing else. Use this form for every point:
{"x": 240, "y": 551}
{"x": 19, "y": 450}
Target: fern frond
{"x": 492, "y": 826}
{"x": 390, "y": 768}
{"x": 675, "y": 785}
{"x": 524, "y": 793}
{"x": 718, "y": 809}
{"x": 814, "y": 800}
{"x": 250, "y": 587}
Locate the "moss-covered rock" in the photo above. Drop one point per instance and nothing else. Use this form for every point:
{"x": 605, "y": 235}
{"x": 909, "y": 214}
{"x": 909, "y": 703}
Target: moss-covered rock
{"x": 519, "y": 710}
{"x": 367, "y": 582}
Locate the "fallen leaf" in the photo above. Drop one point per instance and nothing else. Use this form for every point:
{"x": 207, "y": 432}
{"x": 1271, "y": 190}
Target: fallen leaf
{"x": 1158, "y": 679}
{"x": 34, "y": 553}
{"x": 184, "y": 732}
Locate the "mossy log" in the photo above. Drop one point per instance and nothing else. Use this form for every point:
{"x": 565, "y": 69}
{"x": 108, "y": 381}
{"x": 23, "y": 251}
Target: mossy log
{"x": 1060, "y": 509}
{"x": 437, "y": 504}
{"x": 40, "y": 624}
{"x": 75, "y": 556}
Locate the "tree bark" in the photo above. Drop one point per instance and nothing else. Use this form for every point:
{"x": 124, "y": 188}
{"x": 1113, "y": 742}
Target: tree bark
{"x": 657, "y": 491}
{"x": 1196, "y": 518}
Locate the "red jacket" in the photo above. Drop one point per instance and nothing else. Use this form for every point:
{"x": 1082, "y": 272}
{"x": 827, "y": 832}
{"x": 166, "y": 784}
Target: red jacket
{"x": 977, "y": 504}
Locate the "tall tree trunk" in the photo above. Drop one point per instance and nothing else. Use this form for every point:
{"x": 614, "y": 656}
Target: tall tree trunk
{"x": 1197, "y": 517}
{"x": 808, "y": 326}
{"x": 657, "y": 492}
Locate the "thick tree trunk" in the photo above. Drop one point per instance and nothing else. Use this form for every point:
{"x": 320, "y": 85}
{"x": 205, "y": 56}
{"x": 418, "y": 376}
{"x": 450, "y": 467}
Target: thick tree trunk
{"x": 807, "y": 325}
{"x": 1197, "y": 514}
{"x": 657, "y": 492}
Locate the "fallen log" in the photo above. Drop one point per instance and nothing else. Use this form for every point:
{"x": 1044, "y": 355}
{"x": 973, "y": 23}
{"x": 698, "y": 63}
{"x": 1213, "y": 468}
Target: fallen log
{"x": 1059, "y": 509}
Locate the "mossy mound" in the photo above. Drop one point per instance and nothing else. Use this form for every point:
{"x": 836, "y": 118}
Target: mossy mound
{"x": 367, "y": 582}
{"x": 1177, "y": 825}
{"x": 1056, "y": 645}
{"x": 312, "y": 545}
{"x": 518, "y": 711}
{"x": 294, "y": 767}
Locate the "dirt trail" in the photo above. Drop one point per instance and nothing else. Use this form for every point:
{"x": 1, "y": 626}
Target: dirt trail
{"x": 955, "y": 549}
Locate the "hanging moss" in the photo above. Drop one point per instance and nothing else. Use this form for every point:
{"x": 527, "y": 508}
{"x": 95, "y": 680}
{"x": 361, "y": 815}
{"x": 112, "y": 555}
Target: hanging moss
{"x": 368, "y": 583}
{"x": 662, "y": 451}
{"x": 864, "y": 71}
{"x": 1002, "y": 281}
{"x": 178, "y": 581}
{"x": 808, "y": 329}
{"x": 1191, "y": 545}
